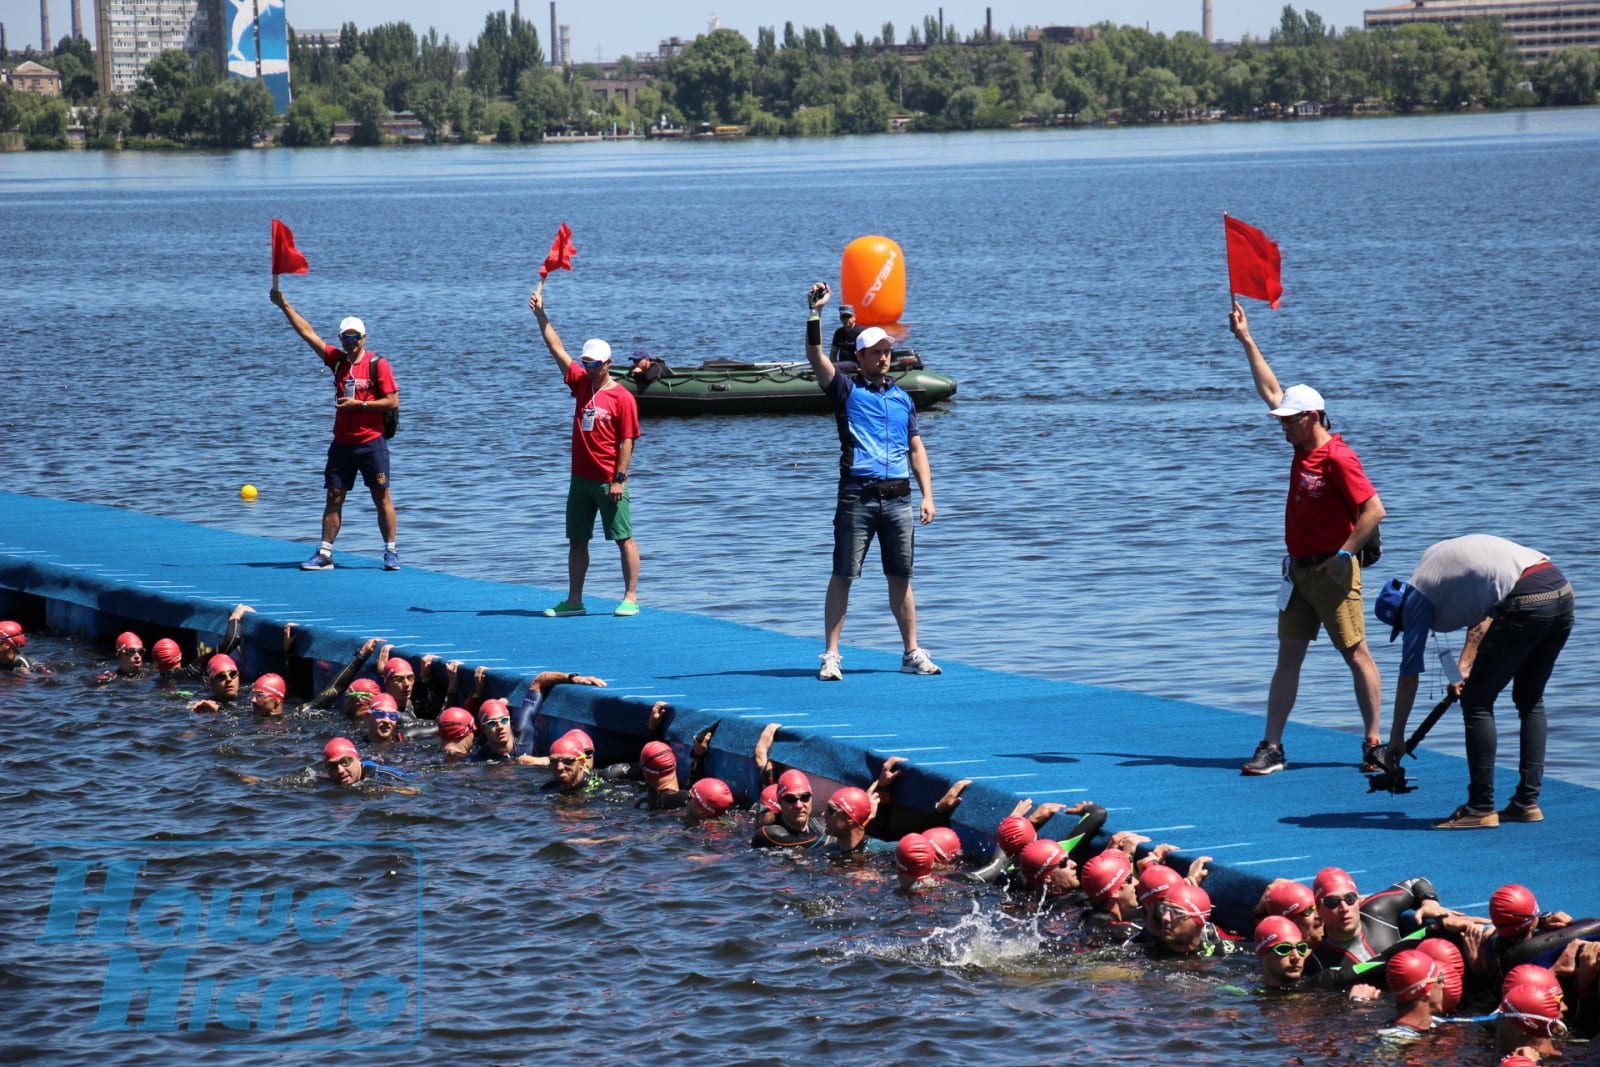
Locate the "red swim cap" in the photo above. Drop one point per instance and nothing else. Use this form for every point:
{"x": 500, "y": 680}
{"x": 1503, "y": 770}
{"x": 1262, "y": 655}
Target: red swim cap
{"x": 127, "y": 640}
{"x": 1039, "y": 858}
{"x": 493, "y": 709}
{"x": 769, "y": 798}
{"x": 1332, "y": 880}
{"x": 395, "y": 665}
{"x": 1534, "y": 975}
{"x": 1102, "y": 876}
{"x": 167, "y": 653}
{"x": 913, "y": 856}
{"x": 1015, "y": 834}
{"x": 219, "y": 663}
{"x": 455, "y": 724}
{"x": 11, "y": 634}
{"x": 1536, "y": 1012}
{"x": 853, "y": 803}
{"x": 566, "y": 747}
{"x": 272, "y": 685}
{"x": 1412, "y": 974}
{"x": 711, "y": 797}
{"x": 1449, "y": 957}
{"x": 365, "y": 689}
{"x": 1517, "y": 1059}
{"x": 1273, "y": 929}
{"x": 1155, "y": 880}
{"x": 585, "y": 742}
{"x": 339, "y": 748}
{"x": 946, "y": 843}
{"x": 793, "y": 782}
{"x": 1189, "y": 899}
{"x": 657, "y": 760}
{"x": 1290, "y": 898}
{"x": 384, "y": 702}
{"x": 1513, "y": 910}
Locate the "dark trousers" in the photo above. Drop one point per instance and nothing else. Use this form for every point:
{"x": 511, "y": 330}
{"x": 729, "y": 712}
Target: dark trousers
{"x": 1520, "y": 649}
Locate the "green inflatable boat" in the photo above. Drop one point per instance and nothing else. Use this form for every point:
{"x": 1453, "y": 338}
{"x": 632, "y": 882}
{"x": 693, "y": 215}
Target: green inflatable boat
{"x": 729, "y": 387}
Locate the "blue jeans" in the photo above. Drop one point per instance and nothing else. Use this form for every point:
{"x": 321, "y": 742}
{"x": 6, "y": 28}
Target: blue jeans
{"x": 1520, "y": 649}
{"x": 858, "y": 518}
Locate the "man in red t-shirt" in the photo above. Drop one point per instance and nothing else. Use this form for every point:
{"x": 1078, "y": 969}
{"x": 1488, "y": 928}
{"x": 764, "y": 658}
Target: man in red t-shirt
{"x": 358, "y": 441}
{"x": 605, "y": 423}
{"x": 1332, "y": 511}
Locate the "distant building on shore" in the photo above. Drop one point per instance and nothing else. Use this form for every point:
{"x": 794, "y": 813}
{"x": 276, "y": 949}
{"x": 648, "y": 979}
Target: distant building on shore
{"x": 248, "y": 38}
{"x": 31, "y": 77}
{"x": 1540, "y": 27}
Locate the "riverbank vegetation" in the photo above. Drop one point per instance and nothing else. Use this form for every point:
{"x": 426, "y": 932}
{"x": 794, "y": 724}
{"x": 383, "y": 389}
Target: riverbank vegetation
{"x": 803, "y": 82}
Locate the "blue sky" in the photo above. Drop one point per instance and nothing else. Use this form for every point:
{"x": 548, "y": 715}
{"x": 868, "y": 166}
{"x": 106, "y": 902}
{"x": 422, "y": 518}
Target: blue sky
{"x": 606, "y": 29}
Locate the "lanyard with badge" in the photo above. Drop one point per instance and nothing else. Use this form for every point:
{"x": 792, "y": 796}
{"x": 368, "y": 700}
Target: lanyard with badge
{"x": 587, "y": 422}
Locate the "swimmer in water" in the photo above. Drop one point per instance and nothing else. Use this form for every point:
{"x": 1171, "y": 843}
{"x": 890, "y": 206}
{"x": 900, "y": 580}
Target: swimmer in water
{"x": 1296, "y": 901}
{"x": 344, "y": 767}
{"x": 359, "y": 696}
{"x": 914, "y": 858}
{"x": 1186, "y": 928}
{"x": 457, "y": 733}
{"x": 12, "y": 642}
{"x": 1530, "y": 1019}
{"x": 709, "y": 798}
{"x": 1282, "y": 951}
{"x": 130, "y": 658}
{"x": 222, "y": 676}
{"x": 1515, "y": 913}
{"x": 496, "y": 743}
{"x": 1357, "y": 931}
{"x": 267, "y": 694}
{"x": 659, "y": 766}
{"x": 845, "y": 817}
{"x": 569, "y": 768}
{"x": 383, "y": 721}
{"x": 1417, "y": 981}
{"x": 795, "y": 826}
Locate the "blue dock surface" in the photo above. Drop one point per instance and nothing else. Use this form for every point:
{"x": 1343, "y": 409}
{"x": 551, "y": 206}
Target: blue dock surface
{"x": 1165, "y": 768}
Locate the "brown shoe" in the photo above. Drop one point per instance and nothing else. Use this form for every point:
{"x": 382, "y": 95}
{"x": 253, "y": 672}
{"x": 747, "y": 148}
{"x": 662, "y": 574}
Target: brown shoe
{"x": 1515, "y": 812}
{"x": 1464, "y": 818}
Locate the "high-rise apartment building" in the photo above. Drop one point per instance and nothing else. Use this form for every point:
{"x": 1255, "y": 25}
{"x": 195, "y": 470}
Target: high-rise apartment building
{"x": 131, "y": 33}
{"x": 1539, "y": 27}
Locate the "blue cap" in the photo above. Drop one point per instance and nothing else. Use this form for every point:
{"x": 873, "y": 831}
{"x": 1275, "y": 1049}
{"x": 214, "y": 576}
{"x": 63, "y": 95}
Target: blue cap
{"x": 1390, "y": 608}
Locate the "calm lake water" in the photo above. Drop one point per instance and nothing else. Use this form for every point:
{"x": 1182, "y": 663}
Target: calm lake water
{"x": 1109, "y": 488}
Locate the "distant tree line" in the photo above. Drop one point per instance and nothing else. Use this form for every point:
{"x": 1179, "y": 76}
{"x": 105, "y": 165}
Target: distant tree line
{"x": 808, "y": 82}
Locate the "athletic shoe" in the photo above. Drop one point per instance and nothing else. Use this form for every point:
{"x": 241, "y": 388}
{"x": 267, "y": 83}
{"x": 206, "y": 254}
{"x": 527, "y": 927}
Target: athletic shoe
{"x": 1372, "y": 756}
{"x": 1514, "y": 812}
{"x": 319, "y": 561}
{"x": 627, "y": 607}
{"x": 831, "y": 671}
{"x": 1464, "y": 818}
{"x": 917, "y": 662}
{"x": 391, "y": 560}
{"x": 1267, "y": 760}
{"x": 564, "y": 610}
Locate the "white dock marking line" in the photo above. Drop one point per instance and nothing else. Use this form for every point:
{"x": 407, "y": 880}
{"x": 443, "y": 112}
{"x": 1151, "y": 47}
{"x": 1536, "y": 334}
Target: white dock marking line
{"x": 1152, "y": 829}
{"x": 1044, "y": 792}
{"x": 951, "y": 762}
{"x": 995, "y": 777}
{"x": 1252, "y": 863}
{"x": 860, "y": 737}
{"x": 1203, "y": 849}
{"x": 930, "y": 748}
{"x": 751, "y": 707}
{"x": 823, "y": 725}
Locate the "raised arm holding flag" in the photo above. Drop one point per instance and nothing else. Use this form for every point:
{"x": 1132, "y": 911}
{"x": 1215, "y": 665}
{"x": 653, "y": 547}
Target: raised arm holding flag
{"x": 559, "y": 257}
{"x": 1255, "y": 268}
{"x": 286, "y": 258}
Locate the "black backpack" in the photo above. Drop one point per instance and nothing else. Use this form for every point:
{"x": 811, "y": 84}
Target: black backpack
{"x": 391, "y": 419}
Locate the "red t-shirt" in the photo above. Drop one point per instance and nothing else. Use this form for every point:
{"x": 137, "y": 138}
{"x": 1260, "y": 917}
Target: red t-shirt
{"x": 1326, "y": 490}
{"x": 352, "y": 426}
{"x": 611, "y": 415}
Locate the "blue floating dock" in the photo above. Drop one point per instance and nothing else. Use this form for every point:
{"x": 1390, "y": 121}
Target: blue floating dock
{"x": 1165, "y": 768}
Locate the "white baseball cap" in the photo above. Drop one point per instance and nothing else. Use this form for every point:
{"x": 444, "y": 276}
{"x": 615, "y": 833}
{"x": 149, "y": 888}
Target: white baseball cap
{"x": 595, "y": 351}
{"x": 350, "y": 322}
{"x": 1298, "y": 399}
{"x": 870, "y": 336}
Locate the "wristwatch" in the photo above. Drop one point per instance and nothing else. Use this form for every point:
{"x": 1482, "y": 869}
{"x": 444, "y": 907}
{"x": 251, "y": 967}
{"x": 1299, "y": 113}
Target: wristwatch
{"x": 620, "y": 476}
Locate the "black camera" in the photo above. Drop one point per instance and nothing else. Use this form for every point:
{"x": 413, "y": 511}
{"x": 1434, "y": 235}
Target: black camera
{"x": 816, "y": 293}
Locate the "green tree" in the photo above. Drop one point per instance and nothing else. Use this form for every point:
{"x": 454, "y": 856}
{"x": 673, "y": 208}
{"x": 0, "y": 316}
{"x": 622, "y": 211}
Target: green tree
{"x": 1568, "y": 76}
{"x": 369, "y": 113}
{"x": 711, "y": 73}
{"x": 307, "y": 124}
{"x": 1157, "y": 93}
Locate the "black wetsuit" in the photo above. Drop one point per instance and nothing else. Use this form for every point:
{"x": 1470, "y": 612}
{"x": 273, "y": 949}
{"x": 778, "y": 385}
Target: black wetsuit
{"x": 1104, "y": 928}
{"x": 1213, "y": 942}
{"x": 1000, "y": 868}
{"x": 776, "y": 835}
{"x": 1332, "y": 966}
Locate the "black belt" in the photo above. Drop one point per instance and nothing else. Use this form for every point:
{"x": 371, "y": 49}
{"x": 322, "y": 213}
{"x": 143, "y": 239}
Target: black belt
{"x": 886, "y": 489}
{"x": 1313, "y": 559}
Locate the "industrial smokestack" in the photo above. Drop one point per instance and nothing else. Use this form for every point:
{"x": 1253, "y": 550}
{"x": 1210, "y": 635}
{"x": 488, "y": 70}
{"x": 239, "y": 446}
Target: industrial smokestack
{"x": 516, "y": 10}
{"x": 988, "y": 23}
{"x": 77, "y": 19}
{"x": 1205, "y": 20}
{"x": 554, "y": 58}
{"x": 44, "y": 26}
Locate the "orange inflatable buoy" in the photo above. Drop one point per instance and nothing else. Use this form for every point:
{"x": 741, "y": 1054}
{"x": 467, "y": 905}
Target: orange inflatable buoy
{"x": 872, "y": 277}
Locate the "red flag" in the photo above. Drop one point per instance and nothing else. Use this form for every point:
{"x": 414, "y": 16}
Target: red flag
{"x": 561, "y": 252}
{"x": 286, "y": 258}
{"x": 1254, "y": 267}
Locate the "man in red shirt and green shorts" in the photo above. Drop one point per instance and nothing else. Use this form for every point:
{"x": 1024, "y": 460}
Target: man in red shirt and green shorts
{"x": 605, "y": 424}
{"x": 1332, "y": 512}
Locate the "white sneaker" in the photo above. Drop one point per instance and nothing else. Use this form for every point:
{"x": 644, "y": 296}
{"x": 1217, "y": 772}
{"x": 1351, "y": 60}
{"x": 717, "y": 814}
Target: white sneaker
{"x": 917, "y": 662}
{"x": 831, "y": 671}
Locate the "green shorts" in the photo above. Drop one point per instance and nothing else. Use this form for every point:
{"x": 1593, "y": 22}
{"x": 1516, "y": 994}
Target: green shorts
{"x": 1320, "y": 602}
{"x": 585, "y": 500}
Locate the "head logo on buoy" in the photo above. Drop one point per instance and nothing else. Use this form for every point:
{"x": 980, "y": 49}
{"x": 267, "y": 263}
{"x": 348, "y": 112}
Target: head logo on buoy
{"x": 872, "y": 276}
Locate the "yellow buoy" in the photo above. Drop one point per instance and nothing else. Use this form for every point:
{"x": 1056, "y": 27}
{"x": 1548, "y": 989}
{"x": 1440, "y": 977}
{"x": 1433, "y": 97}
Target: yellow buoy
{"x": 247, "y": 492}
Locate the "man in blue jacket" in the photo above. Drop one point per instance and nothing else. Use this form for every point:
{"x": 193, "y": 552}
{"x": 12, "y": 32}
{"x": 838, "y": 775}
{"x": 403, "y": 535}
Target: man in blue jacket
{"x": 881, "y": 452}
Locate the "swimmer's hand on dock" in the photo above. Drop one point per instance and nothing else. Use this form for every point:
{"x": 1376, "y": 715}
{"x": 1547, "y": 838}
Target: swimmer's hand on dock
{"x": 952, "y": 797}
